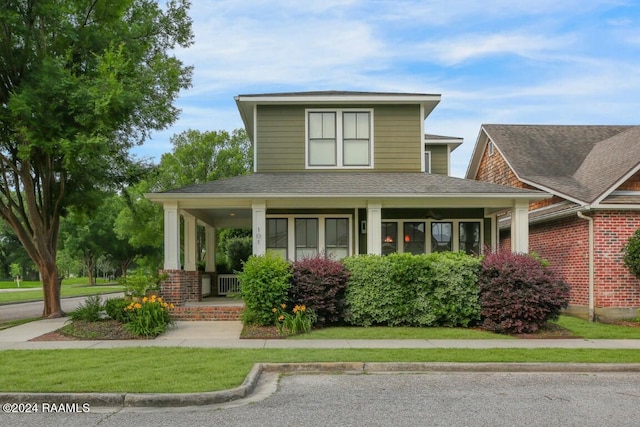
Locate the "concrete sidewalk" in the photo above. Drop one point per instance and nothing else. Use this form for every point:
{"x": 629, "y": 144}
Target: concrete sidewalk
{"x": 226, "y": 334}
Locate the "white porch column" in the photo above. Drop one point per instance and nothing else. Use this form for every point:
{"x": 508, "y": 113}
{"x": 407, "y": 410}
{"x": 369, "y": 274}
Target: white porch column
{"x": 374, "y": 228}
{"x": 190, "y": 242}
{"x": 520, "y": 227}
{"x": 171, "y": 237}
{"x": 210, "y": 257}
{"x": 259, "y": 227}
{"x": 495, "y": 233}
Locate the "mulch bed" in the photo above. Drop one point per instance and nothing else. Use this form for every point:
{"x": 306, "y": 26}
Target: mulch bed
{"x": 80, "y": 330}
{"x": 260, "y": 332}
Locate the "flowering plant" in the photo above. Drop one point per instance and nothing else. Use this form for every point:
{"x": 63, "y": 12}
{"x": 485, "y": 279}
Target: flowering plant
{"x": 299, "y": 321}
{"x": 148, "y": 317}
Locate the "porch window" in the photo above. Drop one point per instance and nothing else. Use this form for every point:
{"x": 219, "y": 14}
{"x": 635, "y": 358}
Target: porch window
{"x": 389, "y": 237}
{"x": 441, "y": 236}
{"x": 336, "y": 231}
{"x": 306, "y": 237}
{"x": 414, "y": 237}
{"x": 322, "y": 139}
{"x": 469, "y": 237}
{"x": 277, "y": 236}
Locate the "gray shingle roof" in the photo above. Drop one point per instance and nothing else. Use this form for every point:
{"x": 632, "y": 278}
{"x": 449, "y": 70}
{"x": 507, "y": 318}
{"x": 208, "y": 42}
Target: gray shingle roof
{"x": 582, "y": 162}
{"x": 348, "y": 183}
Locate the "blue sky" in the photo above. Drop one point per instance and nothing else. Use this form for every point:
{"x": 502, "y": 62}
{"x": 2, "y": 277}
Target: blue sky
{"x": 493, "y": 61}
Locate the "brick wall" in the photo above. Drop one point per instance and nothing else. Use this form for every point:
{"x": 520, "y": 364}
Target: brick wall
{"x": 615, "y": 286}
{"x": 181, "y": 286}
{"x": 565, "y": 244}
{"x": 171, "y": 287}
{"x": 207, "y": 313}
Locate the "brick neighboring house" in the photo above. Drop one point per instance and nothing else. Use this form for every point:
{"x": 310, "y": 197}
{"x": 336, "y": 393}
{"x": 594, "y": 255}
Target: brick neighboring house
{"x": 593, "y": 174}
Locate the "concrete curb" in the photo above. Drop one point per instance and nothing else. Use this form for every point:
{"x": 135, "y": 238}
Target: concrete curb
{"x": 250, "y": 382}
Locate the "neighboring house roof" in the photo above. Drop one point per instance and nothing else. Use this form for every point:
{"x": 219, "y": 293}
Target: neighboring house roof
{"x": 338, "y": 184}
{"x": 581, "y": 163}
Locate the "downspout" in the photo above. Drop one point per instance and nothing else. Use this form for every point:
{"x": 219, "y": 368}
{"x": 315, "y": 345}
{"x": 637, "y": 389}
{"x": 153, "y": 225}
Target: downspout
{"x": 592, "y": 314}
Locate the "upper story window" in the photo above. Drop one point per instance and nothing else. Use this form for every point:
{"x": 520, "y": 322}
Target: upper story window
{"x": 339, "y": 138}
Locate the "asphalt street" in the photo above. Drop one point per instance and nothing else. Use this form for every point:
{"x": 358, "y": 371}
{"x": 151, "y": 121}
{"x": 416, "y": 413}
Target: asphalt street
{"x": 429, "y": 399}
{"x": 34, "y": 309}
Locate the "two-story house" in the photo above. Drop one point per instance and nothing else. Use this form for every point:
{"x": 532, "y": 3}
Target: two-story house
{"x": 338, "y": 174}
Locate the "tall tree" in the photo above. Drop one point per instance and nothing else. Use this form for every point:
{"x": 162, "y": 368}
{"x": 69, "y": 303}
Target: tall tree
{"x": 81, "y": 82}
{"x": 197, "y": 157}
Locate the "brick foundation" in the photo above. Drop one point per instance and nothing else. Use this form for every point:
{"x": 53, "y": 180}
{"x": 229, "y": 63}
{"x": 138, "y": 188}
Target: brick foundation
{"x": 181, "y": 286}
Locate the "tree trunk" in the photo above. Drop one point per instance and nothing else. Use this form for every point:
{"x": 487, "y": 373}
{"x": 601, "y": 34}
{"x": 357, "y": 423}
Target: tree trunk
{"x": 51, "y": 290}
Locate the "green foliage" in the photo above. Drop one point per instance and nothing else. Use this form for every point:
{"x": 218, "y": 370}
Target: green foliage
{"x": 299, "y": 321}
{"x": 138, "y": 283}
{"x": 518, "y": 294}
{"x": 632, "y": 254}
{"x": 238, "y": 251}
{"x": 115, "y": 309}
{"x": 89, "y": 311}
{"x": 148, "y": 317}
{"x": 438, "y": 289}
{"x": 264, "y": 283}
{"x": 82, "y": 84}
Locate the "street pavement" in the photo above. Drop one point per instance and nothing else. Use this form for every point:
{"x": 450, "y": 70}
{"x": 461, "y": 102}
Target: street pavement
{"x": 26, "y": 310}
{"x": 226, "y": 334}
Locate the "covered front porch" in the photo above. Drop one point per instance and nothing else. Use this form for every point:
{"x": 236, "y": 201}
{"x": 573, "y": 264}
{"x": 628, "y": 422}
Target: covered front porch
{"x": 338, "y": 215}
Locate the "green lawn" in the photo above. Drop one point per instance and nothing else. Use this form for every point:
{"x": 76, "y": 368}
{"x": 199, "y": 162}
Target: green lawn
{"x": 162, "y": 370}
{"x": 70, "y": 288}
{"x": 596, "y": 330}
{"x": 384, "y": 332}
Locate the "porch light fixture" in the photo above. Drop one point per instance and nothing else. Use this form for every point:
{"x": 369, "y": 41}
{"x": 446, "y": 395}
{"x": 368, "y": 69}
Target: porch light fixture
{"x": 407, "y": 238}
{"x": 388, "y": 239}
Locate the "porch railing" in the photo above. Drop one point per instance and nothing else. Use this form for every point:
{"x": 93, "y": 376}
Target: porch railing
{"x": 228, "y": 284}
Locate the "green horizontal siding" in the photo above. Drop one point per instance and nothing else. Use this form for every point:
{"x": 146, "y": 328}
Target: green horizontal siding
{"x": 281, "y": 138}
{"x": 439, "y": 159}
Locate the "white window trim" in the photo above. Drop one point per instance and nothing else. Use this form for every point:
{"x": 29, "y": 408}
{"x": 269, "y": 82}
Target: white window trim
{"x": 427, "y": 167}
{"x": 291, "y": 231}
{"x": 339, "y": 137}
{"x": 428, "y": 222}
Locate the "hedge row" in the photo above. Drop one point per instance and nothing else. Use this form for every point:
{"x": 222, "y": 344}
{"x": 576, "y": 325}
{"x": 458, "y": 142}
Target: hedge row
{"x": 438, "y": 289}
{"x": 502, "y": 292}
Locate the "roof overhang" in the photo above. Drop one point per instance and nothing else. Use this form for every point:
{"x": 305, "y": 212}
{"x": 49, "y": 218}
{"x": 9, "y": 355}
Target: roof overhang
{"x": 247, "y": 103}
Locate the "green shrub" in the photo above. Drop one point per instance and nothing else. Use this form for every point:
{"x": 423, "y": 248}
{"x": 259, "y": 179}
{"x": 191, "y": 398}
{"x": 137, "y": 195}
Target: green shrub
{"x": 518, "y": 294}
{"x": 319, "y": 284}
{"x": 438, "y": 289}
{"x": 115, "y": 309}
{"x": 447, "y": 292}
{"x": 264, "y": 283}
{"x": 148, "y": 317}
{"x": 89, "y": 311}
{"x": 238, "y": 251}
{"x": 138, "y": 283}
{"x": 632, "y": 254}
{"x": 372, "y": 297}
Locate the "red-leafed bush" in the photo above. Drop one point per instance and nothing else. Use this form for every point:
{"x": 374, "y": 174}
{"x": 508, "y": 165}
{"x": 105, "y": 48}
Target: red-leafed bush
{"x": 320, "y": 284}
{"x": 518, "y": 294}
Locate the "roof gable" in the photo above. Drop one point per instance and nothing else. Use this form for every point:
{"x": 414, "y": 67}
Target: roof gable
{"x": 580, "y": 162}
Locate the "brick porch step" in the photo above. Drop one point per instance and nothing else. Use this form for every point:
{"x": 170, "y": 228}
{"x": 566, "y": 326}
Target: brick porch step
{"x": 217, "y": 312}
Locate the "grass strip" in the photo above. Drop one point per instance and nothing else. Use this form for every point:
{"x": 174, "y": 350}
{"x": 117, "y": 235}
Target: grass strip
{"x": 385, "y": 332}
{"x": 182, "y": 370}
